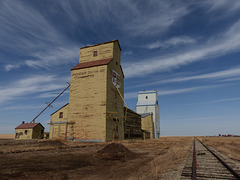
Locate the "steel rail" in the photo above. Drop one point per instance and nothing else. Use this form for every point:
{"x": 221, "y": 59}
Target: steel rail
{"x": 33, "y": 121}
{"x": 223, "y": 163}
{"x": 194, "y": 162}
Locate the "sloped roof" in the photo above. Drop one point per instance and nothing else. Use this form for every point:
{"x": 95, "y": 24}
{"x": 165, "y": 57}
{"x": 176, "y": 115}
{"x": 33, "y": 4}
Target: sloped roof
{"x": 129, "y": 110}
{"x": 27, "y": 125}
{"x": 59, "y": 109}
{"x": 145, "y": 114}
{"x": 103, "y": 43}
{"x": 92, "y": 64}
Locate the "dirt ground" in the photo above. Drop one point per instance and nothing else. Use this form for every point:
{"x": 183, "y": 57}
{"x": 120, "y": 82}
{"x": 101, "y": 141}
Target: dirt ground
{"x": 230, "y": 146}
{"x": 139, "y": 159}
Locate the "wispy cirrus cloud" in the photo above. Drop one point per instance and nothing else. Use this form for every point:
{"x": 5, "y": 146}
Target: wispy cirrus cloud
{"x": 229, "y": 42}
{"x": 51, "y": 94}
{"x": 45, "y": 59}
{"x": 220, "y": 100}
{"x": 36, "y": 38}
{"x": 138, "y": 18}
{"x": 164, "y": 92}
{"x": 214, "y": 5}
{"x": 174, "y": 41}
{"x": 9, "y": 67}
{"x": 225, "y": 75}
{"x": 186, "y": 90}
{"x": 232, "y": 74}
{"x": 29, "y": 86}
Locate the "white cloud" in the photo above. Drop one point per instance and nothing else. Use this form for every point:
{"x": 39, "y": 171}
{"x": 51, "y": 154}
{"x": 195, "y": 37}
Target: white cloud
{"x": 55, "y": 56}
{"x": 28, "y": 86}
{"x": 227, "y": 43}
{"x": 11, "y": 66}
{"x": 215, "y": 75}
{"x": 230, "y": 79}
{"x": 126, "y": 53}
{"x": 221, "y": 100}
{"x": 25, "y": 22}
{"x": 153, "y": 22}
{"x": 35, "y": 37}
{"x": 214, "y": 5}
{"x": 185, "y": 90}
{"x": 174, "y": 41}
{"x": 133, "y": 18}
{"x": 130, "y": 95}
{"x": 51, "y": 94}
{"x": 228, "y": 75}
{"x": 164, "y": 92}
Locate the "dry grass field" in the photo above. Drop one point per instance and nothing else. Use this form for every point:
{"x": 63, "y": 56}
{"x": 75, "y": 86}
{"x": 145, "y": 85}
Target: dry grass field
{"x": 230, "y": 146}
{"x": 6, "y": 136}
{"x": 46, "y": 159}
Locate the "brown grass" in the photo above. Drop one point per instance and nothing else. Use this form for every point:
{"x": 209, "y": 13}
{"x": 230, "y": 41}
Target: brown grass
{"x": 6, "y": 136}
{"x": 170, "y": 152}
{"x": 229, "y": 146}
{"x": 153, "y": 159}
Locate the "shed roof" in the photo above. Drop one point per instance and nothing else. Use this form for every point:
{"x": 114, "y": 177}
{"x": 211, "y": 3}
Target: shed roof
{"x": 92, "y": 64}
{"x": 145, "y": 114}
{"x": 27, "y": 125}
{"x": 129, "y": 110}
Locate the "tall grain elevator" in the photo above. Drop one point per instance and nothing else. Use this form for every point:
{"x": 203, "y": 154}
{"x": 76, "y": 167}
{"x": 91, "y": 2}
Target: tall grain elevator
{"x": 95, "y": 111}
{"x": 148, "y": 103}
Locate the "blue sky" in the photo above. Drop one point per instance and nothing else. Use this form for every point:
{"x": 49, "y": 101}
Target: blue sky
{"x": 187, "y": 50}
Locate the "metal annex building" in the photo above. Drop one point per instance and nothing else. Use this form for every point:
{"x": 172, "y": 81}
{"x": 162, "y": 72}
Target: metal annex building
{"x": 148, "y": 103}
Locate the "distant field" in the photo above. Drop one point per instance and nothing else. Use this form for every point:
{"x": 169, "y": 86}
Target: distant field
{"x": 230, "y": 146}
{"x": 6, "y": 136}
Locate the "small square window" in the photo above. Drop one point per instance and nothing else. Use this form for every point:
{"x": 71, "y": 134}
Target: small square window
{"x": 26, "y": 132}
{"x": 61, "y": 115}
{"x": 146, "y": 97}
{"x": 95, "y": 53}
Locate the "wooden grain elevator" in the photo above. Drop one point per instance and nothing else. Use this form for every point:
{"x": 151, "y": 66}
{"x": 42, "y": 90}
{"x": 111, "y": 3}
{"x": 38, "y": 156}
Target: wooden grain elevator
{"x": 95, "y": 111}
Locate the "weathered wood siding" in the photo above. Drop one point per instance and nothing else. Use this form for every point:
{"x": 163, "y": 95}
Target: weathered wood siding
{"x": 115, "y": 104}
{"x": 35, "y": 133}
{"x": 132, "y": 125}
{"x": 147, "y": 124}
{"x": 20, "y": 134}
{"x": 87, "y": 103}
{"x": 104, "y": 51}
{"x": 38, "y": 132}
{"x": 58, "y": 125}
{"x": 95, "y": 110}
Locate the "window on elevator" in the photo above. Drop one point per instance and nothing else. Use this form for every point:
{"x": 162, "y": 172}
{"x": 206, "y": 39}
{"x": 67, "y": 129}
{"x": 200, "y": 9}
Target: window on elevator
{"x": 61, "y": 115}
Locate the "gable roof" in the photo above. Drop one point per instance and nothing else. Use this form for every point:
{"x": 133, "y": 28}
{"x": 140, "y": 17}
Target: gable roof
{"x": 92, "y": 63}
{"x": 59, "y": 109}
{"x": 103, "y": 43}
{"x": 27, "y": 126}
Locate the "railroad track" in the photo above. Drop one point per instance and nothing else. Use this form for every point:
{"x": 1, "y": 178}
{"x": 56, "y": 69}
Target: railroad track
{"x": 203, "y": 163}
